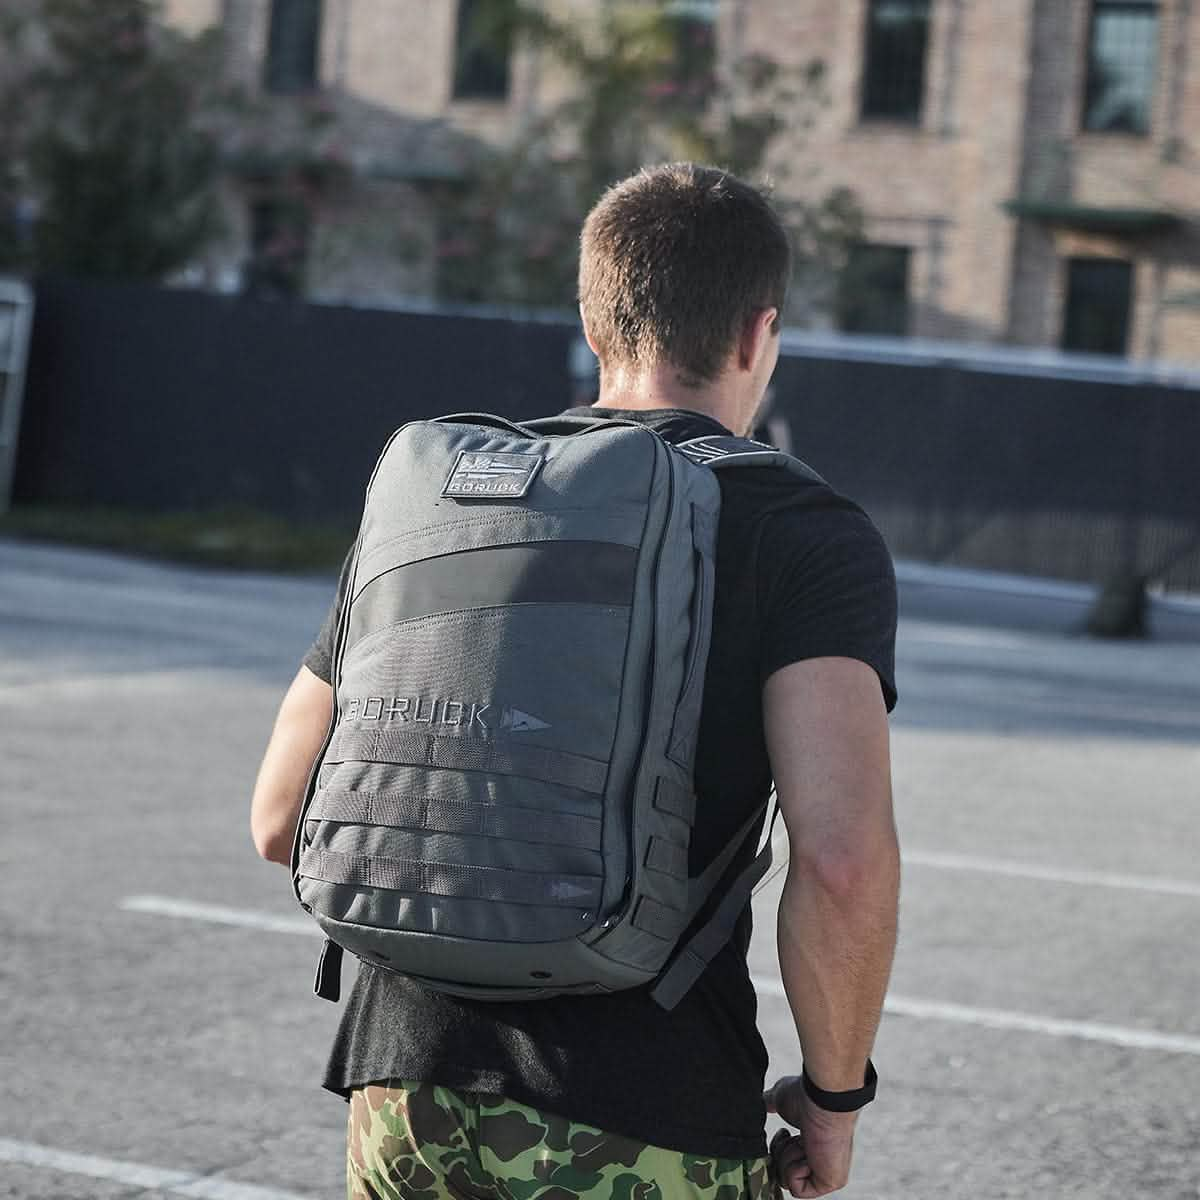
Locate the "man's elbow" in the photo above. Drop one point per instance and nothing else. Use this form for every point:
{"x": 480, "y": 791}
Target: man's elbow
{"x": 272, "y": 842}
{"x": 847, "y": 872}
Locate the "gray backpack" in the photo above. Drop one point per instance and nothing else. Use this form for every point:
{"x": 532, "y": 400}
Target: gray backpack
{"x": 504, "y": 804}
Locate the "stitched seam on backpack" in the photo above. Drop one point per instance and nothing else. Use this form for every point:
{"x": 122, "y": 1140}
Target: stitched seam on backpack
{"x": 425, "y": 532}
{"x": 463, "y": 615}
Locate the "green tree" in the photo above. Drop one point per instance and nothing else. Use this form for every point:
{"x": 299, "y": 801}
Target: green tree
{"x": 116, "y": 149}
{"x": 15, "y": 251}
{"x": 646, "y": 87}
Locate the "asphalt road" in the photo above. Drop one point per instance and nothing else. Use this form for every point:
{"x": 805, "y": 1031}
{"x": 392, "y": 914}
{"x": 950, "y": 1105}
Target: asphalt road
{"x": 159, "y": 1036}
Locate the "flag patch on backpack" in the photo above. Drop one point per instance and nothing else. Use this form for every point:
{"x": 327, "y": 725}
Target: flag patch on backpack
{"x": 501, "y": 476}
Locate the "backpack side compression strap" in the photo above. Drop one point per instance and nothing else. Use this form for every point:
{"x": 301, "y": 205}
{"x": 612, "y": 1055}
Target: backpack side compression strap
{"x": 693, "y": 956}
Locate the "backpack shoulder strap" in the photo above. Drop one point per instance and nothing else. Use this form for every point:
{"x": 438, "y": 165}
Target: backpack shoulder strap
{"x": 721, "y": 452}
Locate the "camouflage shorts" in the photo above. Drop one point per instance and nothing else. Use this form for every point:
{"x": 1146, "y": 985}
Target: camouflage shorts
{"x": 424, "y": 1142}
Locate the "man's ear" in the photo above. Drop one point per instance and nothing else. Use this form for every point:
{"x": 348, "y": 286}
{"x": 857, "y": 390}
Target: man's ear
{"x": 587, "y": 335}
{"x": 757, "y": 334}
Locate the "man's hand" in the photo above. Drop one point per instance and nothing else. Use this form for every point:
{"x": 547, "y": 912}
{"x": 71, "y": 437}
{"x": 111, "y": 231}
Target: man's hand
{"x": 816, "y": 1160}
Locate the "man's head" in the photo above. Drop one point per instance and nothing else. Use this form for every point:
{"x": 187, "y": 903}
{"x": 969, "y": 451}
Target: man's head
{"x": 677, "y": 264}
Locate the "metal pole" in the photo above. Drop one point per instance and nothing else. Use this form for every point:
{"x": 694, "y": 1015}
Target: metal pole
{"x": 16, "y": 321}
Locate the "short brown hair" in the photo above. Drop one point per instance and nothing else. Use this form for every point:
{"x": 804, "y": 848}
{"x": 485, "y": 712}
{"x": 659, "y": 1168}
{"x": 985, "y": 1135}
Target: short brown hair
{"x": 674, "y": 261}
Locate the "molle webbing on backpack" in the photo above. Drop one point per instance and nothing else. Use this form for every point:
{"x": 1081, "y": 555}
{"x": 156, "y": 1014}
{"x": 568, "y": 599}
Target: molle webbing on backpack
{"x": 503, "y": 807}
{"x": 463, "y": 754}
{"x": 449, "y": 879}
{"x": 426, "y": 814}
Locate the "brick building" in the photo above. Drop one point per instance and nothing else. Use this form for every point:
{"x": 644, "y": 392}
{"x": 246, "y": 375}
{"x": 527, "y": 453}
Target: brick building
{"x": 1029, "y": 170}
{"x": 357, "y": 105}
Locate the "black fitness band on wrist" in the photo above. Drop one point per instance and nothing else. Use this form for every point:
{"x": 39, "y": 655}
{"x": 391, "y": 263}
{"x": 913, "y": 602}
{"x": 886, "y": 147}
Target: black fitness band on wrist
{"x": 842, "y": 1102}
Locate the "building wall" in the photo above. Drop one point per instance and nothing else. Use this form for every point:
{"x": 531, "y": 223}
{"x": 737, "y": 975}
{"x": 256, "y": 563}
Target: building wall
{"x": 192, "y": 15}
{"x": 245, "y": 23}
{"x": 1051, "y": 116}
{"x": 1000, "y": 120}
{"x": 1160, "y": 171}
{"x": 930, "y": 186}
{"x": 1175, "y": 332}
{"x": 394, "y": 55}
{"x": 385, "y": 75}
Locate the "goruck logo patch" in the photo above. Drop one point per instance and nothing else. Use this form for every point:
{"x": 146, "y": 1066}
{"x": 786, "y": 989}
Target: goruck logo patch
{"x": 493, "y": 475}
{"x": 472, "y": 718}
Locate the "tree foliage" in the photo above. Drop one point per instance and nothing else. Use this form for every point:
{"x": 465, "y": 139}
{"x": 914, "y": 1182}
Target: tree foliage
{"x": 114, "y": 146}
{"x": 645, "y": 85}
{"x": 14, "y": 69}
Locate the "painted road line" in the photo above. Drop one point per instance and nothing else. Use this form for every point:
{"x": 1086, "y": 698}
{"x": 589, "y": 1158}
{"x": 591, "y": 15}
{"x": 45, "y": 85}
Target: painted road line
{"x": 900, "y": 1006}
{"x": 917, "y": 632}
{"x": 165, "y": 906}
{"x": 180, "y": 1183}
{"x": 1020, "y": 870}
{"x": 218, "y": 914}
{"x": 909, "y": 571}
{"x": 998, "y": 1018}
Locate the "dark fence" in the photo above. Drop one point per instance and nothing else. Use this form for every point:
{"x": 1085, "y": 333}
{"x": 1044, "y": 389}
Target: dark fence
{"x": 152, "y": 398}
{"x": 147, "y": 398}
{"x": 1087, "y": 476}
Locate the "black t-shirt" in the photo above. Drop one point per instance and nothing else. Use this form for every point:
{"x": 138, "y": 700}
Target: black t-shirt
{"x": 801, "y": 573}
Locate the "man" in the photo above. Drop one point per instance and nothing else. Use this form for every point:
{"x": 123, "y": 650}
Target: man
{"x": 683, "y": 274}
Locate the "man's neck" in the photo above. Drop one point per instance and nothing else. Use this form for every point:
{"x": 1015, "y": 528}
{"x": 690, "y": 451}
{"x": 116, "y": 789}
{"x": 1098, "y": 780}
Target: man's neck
{"x": 663, "y": 387}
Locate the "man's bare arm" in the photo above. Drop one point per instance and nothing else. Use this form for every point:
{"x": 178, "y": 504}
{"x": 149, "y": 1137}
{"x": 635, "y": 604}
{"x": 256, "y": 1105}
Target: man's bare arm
{"x": 296, "y": 740}
{"x": 827, "y": 738}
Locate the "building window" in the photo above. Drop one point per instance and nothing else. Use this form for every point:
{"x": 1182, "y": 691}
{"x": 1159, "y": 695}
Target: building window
{"x": 894, "y": 61}
{"x": 292, "y": 42}
{"x": 872, "y": 293}
{"x": 1122, "y": 56}
{"x": 692, "y": 28}
{"x": 279, "y": 237}
{"x": 1099, "y": 298}
{"x": 483, "y": 46}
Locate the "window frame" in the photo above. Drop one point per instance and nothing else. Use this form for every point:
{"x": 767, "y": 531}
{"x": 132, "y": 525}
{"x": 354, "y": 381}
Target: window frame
{"x": 271, "y": 216}
{"x": 903, "y": 253}
{"x": 1069, "y": 290}
{"x": 1090, "y": 62}
{"x": 463, "y": 51}
{"x": 866, "y": 115}
{"x": 278, "y": 79}
{"x": 687, "y": 18}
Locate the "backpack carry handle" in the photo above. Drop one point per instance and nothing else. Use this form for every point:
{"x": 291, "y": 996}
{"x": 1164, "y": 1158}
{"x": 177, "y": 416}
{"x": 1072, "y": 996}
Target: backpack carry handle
{"x": 565, "y": 425}
{"x": 541, "y": 427}
{"x": 487, "y": 420}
